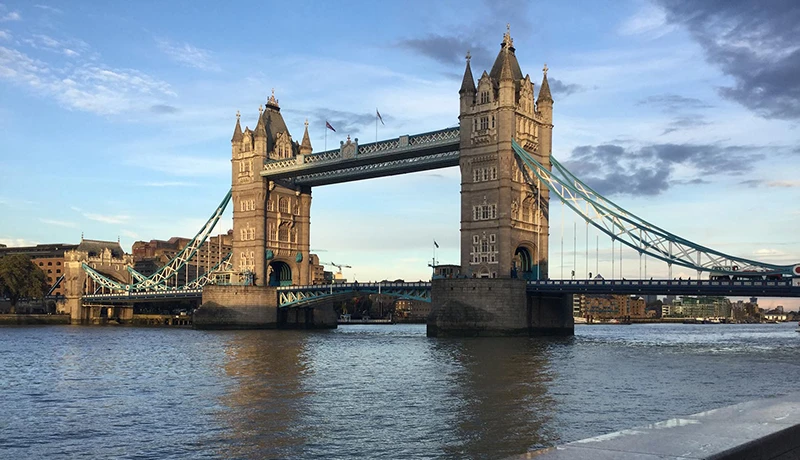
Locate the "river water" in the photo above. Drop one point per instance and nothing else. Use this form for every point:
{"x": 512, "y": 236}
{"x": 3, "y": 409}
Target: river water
{"x": 366, "y": 391}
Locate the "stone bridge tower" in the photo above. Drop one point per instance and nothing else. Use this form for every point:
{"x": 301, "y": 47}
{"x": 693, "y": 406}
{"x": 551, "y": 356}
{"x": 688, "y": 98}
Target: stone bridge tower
{"x": 271, "y": 221}
{"x": 504, "y": 219}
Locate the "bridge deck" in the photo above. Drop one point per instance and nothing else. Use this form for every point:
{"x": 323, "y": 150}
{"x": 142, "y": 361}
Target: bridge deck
{"x": 293, "y": 295}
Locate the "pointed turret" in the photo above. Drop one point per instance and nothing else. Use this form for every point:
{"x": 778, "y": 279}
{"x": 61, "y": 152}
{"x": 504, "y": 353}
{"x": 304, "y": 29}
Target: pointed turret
{"x": 260, "y": 130}
{"x": 237, "y": 131}
{"x": 468, "y": 83}
{"x": 506, "y": 73}
{"x": 544, "y": 92}
{"x": 305, "y": 145}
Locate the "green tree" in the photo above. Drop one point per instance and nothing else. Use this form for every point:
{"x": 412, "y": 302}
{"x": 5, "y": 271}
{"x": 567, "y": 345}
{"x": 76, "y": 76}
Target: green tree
{"x": 20, "y": 278}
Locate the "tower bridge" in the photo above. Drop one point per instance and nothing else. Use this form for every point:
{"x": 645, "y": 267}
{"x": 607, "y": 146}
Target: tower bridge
{"x": 503, "y": 147}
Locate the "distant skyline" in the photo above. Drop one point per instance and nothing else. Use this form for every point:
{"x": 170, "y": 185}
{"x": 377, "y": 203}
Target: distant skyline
{"x": 116, "y": 118}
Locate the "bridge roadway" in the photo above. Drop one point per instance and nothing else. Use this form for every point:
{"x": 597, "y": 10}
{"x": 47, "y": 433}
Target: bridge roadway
{"x": 297, "y": 295}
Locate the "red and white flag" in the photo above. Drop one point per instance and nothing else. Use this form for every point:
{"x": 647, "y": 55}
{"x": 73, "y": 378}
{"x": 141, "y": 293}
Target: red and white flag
{"x": 379, "y": 116}
{"x": 328, "y": 125}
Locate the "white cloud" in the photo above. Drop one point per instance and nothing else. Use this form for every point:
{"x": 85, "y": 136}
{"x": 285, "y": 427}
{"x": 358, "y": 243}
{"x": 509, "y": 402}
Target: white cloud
{"x": 12, "y": 16}
{"x": 168, "y": 184}
{"x": 783, "y": 183}
{"x": 16, "y": 242}
{"x": 71, "y": 47}
{"x": 5, "y": 35}
{"x": 188, "y": 55}
{"x": 108, "y": 219}
{"x": 59, "y": 223}
{"x": 88, "y": 87}
{"x": 50, "y": 9}
{"x": 650, "y": 21}
{"x": 129, "y": 234}
{"x": 768, "y": 252}
{"x": 181, "y": 165}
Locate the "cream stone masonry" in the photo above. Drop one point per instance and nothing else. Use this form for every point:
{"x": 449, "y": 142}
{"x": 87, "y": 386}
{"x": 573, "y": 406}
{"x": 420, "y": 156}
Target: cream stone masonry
{"x": 271, "y": 220}
{"x": 504, "y": 221}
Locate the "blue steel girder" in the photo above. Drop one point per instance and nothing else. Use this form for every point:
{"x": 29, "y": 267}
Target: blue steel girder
{"x": 158, "y": 280}
{"x": 633, "y": 231}
{"x": 293, "y": 296}
{"x": 104, "y": 281}
{"x": 742, "y": 288}
{"x": 405, "y": 154}
{"x": 207, "y": 277}
{"x": 136, "y": 276}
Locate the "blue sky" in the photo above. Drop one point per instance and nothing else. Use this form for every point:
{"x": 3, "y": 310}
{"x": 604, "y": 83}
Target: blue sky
{"x": 116, "y": 117}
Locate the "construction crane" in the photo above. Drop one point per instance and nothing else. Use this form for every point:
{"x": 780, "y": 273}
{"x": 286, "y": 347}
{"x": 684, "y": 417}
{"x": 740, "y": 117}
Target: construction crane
{"x": 339, "y": 266}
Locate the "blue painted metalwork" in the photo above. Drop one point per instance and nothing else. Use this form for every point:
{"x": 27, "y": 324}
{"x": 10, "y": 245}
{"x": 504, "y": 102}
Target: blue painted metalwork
{"x": 131, "y": 297}
{"x": 294, "y": 296}
{"x": 761, "y": 288}
{"x": 158, "y": 280}
{"x": 635, "y": 232}
{"x": 405, "y": 154}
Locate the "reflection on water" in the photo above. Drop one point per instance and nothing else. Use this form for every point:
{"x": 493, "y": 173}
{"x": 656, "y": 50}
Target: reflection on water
{"x": 268, "y": 399}
{"x": 366, "y": 391}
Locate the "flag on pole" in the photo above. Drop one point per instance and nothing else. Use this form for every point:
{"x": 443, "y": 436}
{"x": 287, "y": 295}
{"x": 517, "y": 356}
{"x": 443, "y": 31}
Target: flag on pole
{"x": 328, "y": 125}
{"x": 435, "y": 243}
{"x": 379, "y": 116}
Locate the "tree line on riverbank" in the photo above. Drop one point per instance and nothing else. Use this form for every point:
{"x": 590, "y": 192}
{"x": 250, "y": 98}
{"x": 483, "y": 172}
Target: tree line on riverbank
{"x": 20, "y": 279}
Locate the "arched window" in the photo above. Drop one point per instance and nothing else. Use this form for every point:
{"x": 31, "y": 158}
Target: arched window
{"x": 283, "y": 205}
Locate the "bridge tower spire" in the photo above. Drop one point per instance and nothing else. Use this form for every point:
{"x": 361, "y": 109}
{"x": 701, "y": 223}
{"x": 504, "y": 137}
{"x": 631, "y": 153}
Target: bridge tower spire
{"x": 468, "y": 90}
{"x": 504, "y": 221}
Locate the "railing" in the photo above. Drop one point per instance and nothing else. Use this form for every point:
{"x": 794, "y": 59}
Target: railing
{"x": 373, "y": 149}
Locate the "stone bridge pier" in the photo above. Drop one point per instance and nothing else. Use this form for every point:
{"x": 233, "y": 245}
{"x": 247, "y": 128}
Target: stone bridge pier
{"x": 496, "y": 308}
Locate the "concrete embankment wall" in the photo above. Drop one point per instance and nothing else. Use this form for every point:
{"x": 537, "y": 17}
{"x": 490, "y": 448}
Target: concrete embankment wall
{"x": 767, "y": 429}
{"x": 20, "y": 320}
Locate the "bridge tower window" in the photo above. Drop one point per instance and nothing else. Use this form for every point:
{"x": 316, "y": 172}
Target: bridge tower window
{"x": 484, "y": 123}
{"x": 283, "y": 205}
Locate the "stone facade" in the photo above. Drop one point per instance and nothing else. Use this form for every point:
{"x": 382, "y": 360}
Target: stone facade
{"x": 106, "y": 257}
{"x": 504, "y": 220}
{"x": 271, "y": 221}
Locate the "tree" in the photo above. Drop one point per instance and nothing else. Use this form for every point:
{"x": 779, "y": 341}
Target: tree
{"x": 20, "y": 278}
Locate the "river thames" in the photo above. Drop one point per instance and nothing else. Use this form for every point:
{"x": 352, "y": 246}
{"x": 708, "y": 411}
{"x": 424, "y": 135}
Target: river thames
{"x": 366, "y": 391}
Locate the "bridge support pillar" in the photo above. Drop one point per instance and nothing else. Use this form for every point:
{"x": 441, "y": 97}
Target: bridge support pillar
{"x": 318, "y": 317}
{"x": 492, "y": 307}
{"x": 237, "y": 307}
{"x": 78, "y": 314}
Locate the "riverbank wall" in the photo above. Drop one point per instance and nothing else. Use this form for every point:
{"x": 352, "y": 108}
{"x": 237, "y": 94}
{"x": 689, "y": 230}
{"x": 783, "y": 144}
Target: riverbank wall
{"x": 33, "y": 320}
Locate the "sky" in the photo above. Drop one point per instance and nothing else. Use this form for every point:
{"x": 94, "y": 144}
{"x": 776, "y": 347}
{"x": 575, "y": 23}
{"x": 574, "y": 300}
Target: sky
{"x": 116, "y": 117}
